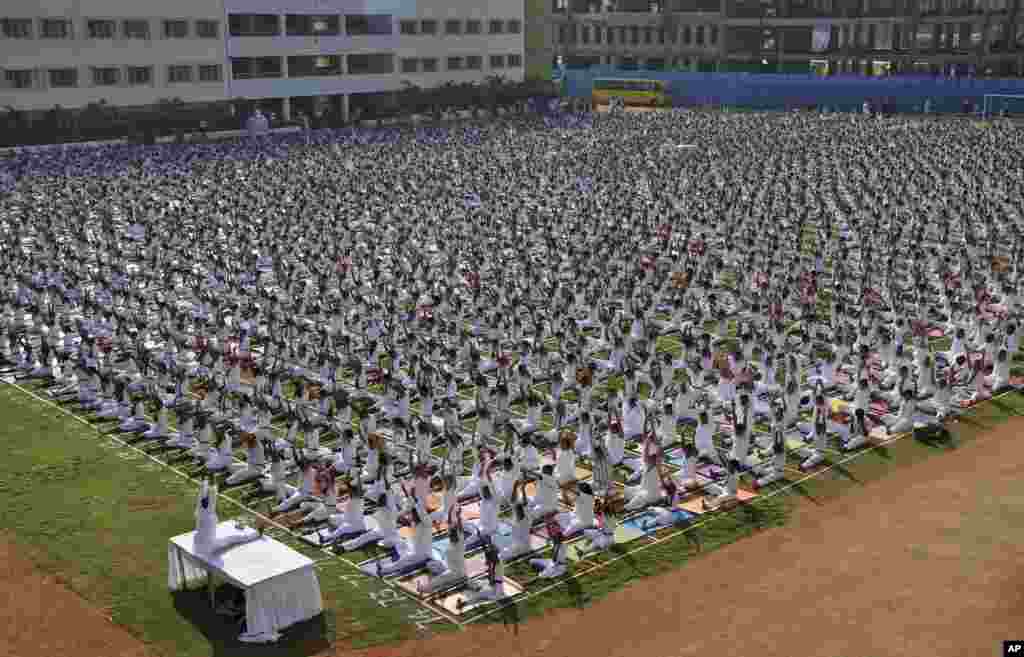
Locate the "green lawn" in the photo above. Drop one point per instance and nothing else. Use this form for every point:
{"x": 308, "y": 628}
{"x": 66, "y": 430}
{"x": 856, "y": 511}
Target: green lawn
{"x": 98, "y": 517}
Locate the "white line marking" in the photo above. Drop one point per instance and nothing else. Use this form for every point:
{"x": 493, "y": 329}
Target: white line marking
{"x": 387, "y": 584}
{"x": 532, "y": 594}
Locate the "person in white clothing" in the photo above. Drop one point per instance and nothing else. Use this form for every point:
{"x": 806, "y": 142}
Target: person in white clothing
{"x": 453, "y": 572}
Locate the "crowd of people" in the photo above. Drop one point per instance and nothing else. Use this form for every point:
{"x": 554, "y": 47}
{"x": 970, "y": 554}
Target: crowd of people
{"x": 558, "y": 320}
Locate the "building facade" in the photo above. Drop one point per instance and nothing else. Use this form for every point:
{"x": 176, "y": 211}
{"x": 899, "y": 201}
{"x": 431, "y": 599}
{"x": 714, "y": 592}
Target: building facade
{"x": 873, "y": 37}
{"x": 285, "y": 54}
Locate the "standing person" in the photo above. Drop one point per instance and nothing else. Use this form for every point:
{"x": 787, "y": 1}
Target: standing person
{"x": 495, "y": 578}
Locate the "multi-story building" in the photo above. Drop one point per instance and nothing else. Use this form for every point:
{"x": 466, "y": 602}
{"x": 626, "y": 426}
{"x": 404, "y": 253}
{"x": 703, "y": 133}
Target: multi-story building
{"x": 287, "y": 54}
{"x": 983, "y": 37}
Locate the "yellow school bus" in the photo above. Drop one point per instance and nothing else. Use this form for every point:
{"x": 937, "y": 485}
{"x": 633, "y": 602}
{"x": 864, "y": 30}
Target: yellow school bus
{"x": 650, "y": 93}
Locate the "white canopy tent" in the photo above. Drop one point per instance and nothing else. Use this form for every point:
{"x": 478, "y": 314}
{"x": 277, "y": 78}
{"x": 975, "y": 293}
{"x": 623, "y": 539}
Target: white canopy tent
{"x": 281, "y": 586}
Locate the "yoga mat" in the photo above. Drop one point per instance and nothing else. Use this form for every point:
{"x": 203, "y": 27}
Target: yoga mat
{"x": 313, "y": 537}
{"x": 674, "y": 457}
{"x": 503, "y": 538}
{"x": 411, "y": 583}
{"x": 794, "y": 443}
{"x": 646, "y": 524}
{"x": 449, "y": 602}
{"x": 625, "y": 534}
{"x": 710, "y": 471}
{"x": 693, "y": 504}
{"x": 476, "y": 565}
{"x": 370, "y": 567}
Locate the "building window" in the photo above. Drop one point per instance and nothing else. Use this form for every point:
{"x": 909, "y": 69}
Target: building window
{"x": 611, "y": 36}
{"x": 178, "y": 73}
{"x": 453, "y": 27}
{"x": 101, "y": 29}
{"x": 976, "y": 29}
{"x": 495, "y": 27}
{"x": 62, "y": 78}
{"x": 497, "y": 61}
{"x": 429, "y": 64}
{"x": 585, "y": 34}
{"x": 105, "y": 77}
{"x": 136, "y": 29}
{"x": 474, "y": 27}
{"x": 562, "y": 33}
{"x": 924, "y": 36}
{"x": 883, "y": 36}
{"x": 314, "y": 66}
{"x": 634, "y": 35}
{"x": 598, "y": 31}
{"x": 648, "y": 34}
{"x": 455, "y": 64}
{"x": 428, "y": 27}
{"x": 713, "y": 36}
{"x": 175, "y": 29}
{"x": 246, "y": 68}
{"x": 474, "y": 63}
{"x": 55, "y": 28}
{"x": 17, "y": 28}
{"x": 240, "y": 25}
{"x": 139, "y": 76}
{"x": 661, "y": 36}
{"x": 407, "y": 27}
{"x": 515, "y": 27}
{"x": 410, "y": 65}
{"x": 687, "y": 35}
{"x": 19, "y": 79}
{"x": 303, "y": 25}
{"x": 375, "y": 64}
{"x": 698, "y": 35}
{"x": 368, "y": 24}
{"x": 515, "y": 61}
{"x": 210, "y": 73}
{"x": 207, "y": 29}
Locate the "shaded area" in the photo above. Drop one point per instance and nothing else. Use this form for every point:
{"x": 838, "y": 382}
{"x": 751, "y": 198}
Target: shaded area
{"x": 221, "y": 631}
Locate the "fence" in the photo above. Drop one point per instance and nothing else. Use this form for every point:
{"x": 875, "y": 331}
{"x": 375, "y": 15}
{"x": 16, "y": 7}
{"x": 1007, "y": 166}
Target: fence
{"x": 779, "y": 92}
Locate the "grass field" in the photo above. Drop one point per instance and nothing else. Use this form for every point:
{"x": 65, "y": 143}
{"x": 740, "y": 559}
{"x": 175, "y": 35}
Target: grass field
{"x": 97, "y": 515}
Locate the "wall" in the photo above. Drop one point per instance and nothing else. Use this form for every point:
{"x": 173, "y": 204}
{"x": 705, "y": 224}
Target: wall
{"x": 781, "y": 91}
{"x": 83, "y": 53}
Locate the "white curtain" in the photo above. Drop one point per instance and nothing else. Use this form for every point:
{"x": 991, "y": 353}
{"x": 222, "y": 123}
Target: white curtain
{"x": 182, "y": 570}
{"x": 270, "y": 606}
{"x": 275, "y": 604}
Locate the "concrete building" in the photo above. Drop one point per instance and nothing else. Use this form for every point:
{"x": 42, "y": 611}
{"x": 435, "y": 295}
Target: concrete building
{"x": 286, "y": 54}
{"x": 983, "y": 37}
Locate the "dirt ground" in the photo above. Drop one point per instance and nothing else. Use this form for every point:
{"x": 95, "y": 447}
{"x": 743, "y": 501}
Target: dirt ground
{"x": 41, "y": 616}
{"x": 926, "y": 562}
{"x": 923, "y": 563}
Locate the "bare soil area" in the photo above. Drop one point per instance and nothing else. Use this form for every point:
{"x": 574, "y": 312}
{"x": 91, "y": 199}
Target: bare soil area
{"x": 926, "y": 562}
